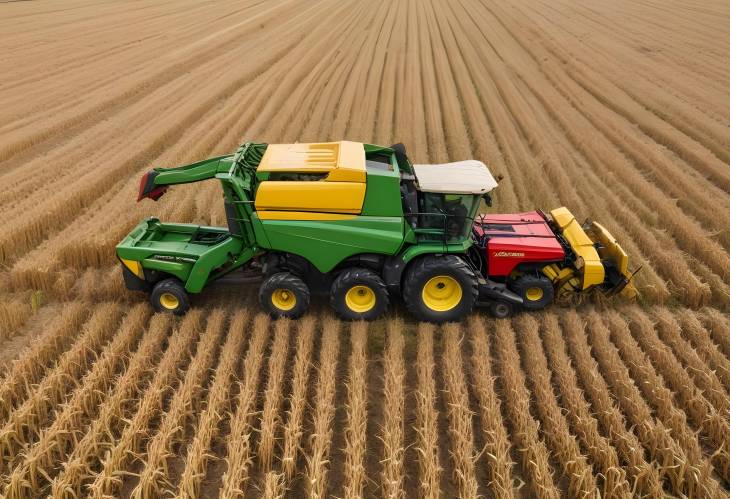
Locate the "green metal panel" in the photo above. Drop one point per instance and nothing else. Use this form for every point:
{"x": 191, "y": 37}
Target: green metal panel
{"x": 259, "y": 232}
{"x": 430, "y": 248}
{"x": 376, "y": 148}
{"x": 382, "y": 194}
{"x": 181, "y": 270}
{"x": 194, "y": 172}
{"x": 151, "y": 237}
{"x": 215, "y": 257}
{"x": 190, "y": 262}
{"x": 327, "y": 243}
{"x": 410, "y": 236}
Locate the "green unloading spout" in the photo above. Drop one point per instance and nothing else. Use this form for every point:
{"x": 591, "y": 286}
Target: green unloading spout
{"x": 154, "y": 183}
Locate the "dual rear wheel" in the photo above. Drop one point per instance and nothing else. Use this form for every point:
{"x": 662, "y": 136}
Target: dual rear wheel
{"x": 435, "y": 289}
{"x": 355, "y": 294}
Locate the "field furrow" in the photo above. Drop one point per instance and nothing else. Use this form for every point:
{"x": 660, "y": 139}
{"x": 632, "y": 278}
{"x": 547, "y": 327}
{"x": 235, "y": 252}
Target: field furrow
{"x": 99, "y": 435}
{"x": 524, "y": 429}
{"x": 356, "y": 431}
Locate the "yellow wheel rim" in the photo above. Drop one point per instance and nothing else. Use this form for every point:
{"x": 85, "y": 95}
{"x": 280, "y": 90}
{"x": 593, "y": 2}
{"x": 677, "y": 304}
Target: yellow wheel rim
{"x": 169, "y": 301}
{"x": 534, "y": 293}
{"x": 360, "y": 299}
{"x": 441, "y": 293}
{"x": 283, "y": 299}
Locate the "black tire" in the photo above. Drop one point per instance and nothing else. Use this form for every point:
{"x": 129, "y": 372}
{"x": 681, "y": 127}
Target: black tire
{"x": 425, "y": 271}
{"x": 537, "y": 292}
{"x": 501, "y": 309}
{"x": 359, "y": 294}
{"x": 284, "y": 295}
{"x": 169, "y": 296}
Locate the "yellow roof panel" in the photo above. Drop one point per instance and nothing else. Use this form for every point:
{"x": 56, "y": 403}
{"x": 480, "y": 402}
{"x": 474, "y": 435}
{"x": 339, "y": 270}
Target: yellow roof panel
{"x": 342, "y": 161}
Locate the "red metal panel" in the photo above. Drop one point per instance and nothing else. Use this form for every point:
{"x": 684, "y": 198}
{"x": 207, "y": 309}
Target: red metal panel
{"x": 518, "y": 238}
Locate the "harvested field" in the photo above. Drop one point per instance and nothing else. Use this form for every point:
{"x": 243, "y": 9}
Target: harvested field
{"x": 620, "y": 111}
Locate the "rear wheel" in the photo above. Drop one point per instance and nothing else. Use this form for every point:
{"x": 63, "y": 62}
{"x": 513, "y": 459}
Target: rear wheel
{"x": 537, "y": 292}
{"x": 170, "y": 296}
{"x": 359, "y": 294}
{"x": 440, "y": 289}
{"x": 284, "y": 295}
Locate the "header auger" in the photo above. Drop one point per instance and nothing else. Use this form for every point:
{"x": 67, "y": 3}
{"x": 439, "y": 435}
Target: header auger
{"x": 362, "y": 224}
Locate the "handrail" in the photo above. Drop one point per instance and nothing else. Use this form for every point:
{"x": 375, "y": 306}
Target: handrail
{"x": 443, "y": 230}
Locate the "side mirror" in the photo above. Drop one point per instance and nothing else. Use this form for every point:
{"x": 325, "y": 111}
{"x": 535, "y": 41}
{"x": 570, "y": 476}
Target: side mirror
{"x": 487, "y": 199}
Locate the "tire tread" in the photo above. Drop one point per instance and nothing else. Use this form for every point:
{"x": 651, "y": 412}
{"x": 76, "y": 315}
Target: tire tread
{"x": 425, "y": 265}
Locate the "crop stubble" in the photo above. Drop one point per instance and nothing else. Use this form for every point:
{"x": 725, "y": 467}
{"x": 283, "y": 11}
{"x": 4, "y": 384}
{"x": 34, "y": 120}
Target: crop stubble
{"x": 618, "y": 111}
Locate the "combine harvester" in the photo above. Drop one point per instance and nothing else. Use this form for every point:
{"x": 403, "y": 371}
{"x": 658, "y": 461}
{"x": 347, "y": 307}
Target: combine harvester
{"x": 362, "y": 224}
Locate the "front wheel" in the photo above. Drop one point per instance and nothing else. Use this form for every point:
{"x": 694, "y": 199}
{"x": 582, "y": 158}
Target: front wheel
{"x": 537, "y": 292}
{"x": 284, "y": 295}
{"x": 170, "y": 296}
{"x": 440, "y": 289}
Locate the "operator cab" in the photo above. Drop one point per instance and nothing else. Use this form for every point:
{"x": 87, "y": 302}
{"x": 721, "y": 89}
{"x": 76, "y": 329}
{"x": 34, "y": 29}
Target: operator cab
{"x": 440, "y": 200}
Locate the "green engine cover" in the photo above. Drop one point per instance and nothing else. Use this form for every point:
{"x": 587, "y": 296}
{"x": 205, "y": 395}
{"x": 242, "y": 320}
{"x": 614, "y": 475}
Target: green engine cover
{"x": 327, "y": 243}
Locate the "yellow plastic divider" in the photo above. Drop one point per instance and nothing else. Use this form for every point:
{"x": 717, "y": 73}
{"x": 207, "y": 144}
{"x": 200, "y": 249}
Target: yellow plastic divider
{"x": 589, "y": 262}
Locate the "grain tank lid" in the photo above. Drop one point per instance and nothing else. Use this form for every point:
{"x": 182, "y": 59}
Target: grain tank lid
{"x": 342, "y": 161}
{"x": 461, "y": 177}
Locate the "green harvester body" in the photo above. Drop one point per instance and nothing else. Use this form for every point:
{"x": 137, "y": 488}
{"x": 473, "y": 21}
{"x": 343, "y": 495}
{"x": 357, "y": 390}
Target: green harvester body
{"x": 197, "y": 255}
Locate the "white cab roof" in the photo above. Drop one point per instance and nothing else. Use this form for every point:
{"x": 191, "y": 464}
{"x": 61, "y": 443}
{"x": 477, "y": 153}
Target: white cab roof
{"x": 461, "y": 177}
